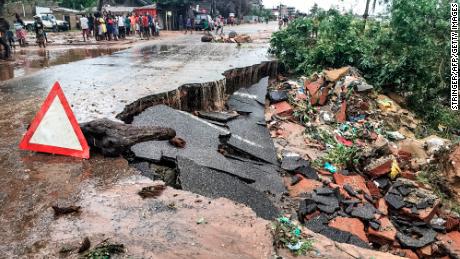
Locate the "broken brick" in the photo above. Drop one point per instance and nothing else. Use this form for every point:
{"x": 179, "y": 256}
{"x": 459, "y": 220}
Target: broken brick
{"x": 355, "y": 181}
{"x": 313, "y": 89}
{"x": 303, "y": 186}
{"x": 381, "y": 169}
{"x": 373, "y": 189}
{"x": 408, "y": 175}
{"x": 426, "y": 251}
{"x": 344, "y": 141}
{"x": 386, "y": 233}
{"x": 451, "y": 243}
{"x": 409, "y": 254}
{"x": 324, "y": 94}
{"x": 341, "y": 116}
{"x": 452, "y": 223}
{"x": 382, "y": 206}
{"x": 424, "y": 214}
{"x": 283, "y": 109}
{"x": 404, "y": 155}
{"x": 351, "y": 225}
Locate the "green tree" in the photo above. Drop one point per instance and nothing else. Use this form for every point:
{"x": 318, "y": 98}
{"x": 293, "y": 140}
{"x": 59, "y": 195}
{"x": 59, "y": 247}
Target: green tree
{"x": 78, "y": 4}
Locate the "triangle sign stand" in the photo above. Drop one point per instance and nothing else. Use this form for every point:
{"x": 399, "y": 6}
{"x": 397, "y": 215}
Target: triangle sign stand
{"x": 55, "y": 129}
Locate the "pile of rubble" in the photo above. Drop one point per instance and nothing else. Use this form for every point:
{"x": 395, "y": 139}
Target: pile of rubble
{"x": 355, "y": 166}
{"x": 232, "y": 37}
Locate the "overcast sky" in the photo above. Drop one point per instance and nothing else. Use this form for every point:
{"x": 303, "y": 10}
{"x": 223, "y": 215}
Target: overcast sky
{"x": 358, "y": 6}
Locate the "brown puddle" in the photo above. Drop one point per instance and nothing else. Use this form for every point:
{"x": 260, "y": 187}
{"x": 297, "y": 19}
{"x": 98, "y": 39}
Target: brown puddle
{"x": 27, "y": 62}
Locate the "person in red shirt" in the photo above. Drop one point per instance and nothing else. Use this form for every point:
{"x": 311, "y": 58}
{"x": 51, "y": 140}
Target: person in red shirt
{"x": 145, "y": 26}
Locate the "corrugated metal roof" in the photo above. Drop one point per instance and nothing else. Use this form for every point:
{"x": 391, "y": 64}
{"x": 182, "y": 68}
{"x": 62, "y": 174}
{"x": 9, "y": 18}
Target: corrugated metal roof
{"x": 152, "y": 6}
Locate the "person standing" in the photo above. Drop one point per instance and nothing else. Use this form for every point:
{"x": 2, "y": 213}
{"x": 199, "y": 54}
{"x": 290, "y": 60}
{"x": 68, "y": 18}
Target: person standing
{"x": 127, "y": 26}
{"x": 90, "y": 25}
{"x": 139, "y": 26}
{"x": 20, "y": 31}
{"x": 145, "y": 26}
{"x": 220, "y": 25}
{"x": 39, "y": 31}
{"x": 121, "y": 27}
{"x": 4, "y": 29}
{"x": 188, "y": 25}
{"x": 84, "y": 24}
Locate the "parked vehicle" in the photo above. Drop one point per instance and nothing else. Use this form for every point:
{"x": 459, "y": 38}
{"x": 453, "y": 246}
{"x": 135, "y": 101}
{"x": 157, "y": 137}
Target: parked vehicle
{"x": 199, "y": 25}
{"x": 50, "y": 22}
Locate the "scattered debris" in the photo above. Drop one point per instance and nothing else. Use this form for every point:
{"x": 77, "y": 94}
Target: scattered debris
{"x": 361, "y": 146}
{"x": 105, "y": 250}
{"x": 58, "y": 211}
{"x": 152, "y": 191}
{"x": 289, "y": 235}
{"x": 85, "y": 245}
{"x": 177, "y": 142}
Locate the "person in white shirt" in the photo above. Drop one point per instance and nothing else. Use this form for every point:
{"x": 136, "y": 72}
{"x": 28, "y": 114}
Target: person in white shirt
{"x": 84, "y": 27}
{"x": 121, "y": 27}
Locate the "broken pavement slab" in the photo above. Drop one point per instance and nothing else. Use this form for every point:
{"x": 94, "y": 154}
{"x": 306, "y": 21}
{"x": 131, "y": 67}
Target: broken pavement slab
{"x": 215, "y": 184}
{"x": 202, "y": 136}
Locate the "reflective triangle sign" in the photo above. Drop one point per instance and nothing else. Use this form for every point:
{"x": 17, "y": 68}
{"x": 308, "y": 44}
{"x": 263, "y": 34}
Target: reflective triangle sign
{"x": 55, "y": 129}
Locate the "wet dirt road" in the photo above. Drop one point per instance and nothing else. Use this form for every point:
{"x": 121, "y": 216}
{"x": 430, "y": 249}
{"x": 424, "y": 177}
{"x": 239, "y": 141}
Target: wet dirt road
{"x": 106, "y": 188}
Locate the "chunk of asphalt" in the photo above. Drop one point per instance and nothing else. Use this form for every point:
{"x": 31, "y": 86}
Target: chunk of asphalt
{"x": 350, "y": 202}
{"x": 422, "y": 205}
{"x": 277, "y": 96}
{"x": 215, "y": 184}
{"x": 309, "y": 172}
{"x": 395, "y": 201}
{"x": 350, "y": 190}
{"x": 306, "y": 207}
{"x": 365, "y": 212}
{"x": 144, "y": 168}
{"x": 317, "y": 223}
{"x": 217, "y": 116}
{"x": 295, "y": 179}
{"x": 368, "y": 198}
{"x": 383, "y": 182}
{"x": 349, "y": 208}
{"x": 343, "y": 237}
{"x": 416, "y": 237}
{"x": 326, "y": 200}
{"x": 327, "y": 209}
{"x": 404, "y": 190}
{"x": 375, "y": 224}
{"x": 292, "y": 163}
{"x": 324, "y": 191}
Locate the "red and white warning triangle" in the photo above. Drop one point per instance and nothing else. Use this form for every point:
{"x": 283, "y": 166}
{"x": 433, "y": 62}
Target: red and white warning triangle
{"x": 55, "y": 129}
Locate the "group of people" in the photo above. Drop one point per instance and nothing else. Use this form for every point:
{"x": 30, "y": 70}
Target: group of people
{"x": 107, "y": 26}
{"x": 219, "y": 23}
{"x": 8, "y": 33}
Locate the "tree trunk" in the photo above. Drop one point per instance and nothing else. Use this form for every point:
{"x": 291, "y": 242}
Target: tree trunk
{"x": 366, "y": 13}
{"x": 2, "y": 7}
{"x": 99, "y": 5}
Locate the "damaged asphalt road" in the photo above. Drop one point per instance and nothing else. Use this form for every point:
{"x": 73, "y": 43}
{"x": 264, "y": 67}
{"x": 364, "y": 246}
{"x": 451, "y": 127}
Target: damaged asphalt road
{"x": 242, "y": 152}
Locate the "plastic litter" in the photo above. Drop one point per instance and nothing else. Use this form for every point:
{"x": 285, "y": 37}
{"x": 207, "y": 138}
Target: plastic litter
{"x": 395, "y": 170}
{"x": 331, "y": 168}
{"x": 295, "y": 247}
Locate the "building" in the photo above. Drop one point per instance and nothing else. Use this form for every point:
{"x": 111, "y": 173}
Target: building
{"x": 291, "y": 11}
{"x": 148, "y": 9}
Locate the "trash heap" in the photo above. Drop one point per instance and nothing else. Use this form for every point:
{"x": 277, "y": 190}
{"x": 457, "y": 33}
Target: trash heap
{"x": 356, "y": 168}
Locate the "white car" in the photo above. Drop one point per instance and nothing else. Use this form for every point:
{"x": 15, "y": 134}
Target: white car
{"x": 50, "y": 23}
